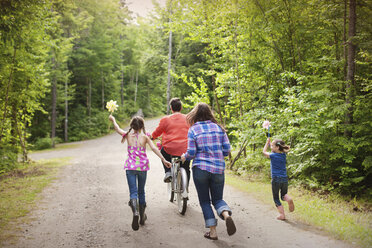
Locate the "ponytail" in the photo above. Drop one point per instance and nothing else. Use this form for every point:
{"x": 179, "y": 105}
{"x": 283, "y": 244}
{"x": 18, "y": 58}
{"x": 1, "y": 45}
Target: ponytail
{"x": 125, "y": 134}
{"x": 282, "y": 146}
{"x": 144, "y": 130}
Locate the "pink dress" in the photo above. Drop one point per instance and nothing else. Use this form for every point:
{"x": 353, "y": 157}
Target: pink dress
{"x": 137, "y": 158}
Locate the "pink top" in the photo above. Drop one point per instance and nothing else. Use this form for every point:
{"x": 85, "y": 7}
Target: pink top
{"x": 137, "y": 158}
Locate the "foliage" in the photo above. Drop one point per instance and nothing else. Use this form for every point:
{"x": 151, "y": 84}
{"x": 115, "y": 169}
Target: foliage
{"x": 284, "y": 61}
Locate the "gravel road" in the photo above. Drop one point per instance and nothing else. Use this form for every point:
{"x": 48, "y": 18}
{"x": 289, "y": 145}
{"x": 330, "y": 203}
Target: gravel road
{"x": 87, "y": 207}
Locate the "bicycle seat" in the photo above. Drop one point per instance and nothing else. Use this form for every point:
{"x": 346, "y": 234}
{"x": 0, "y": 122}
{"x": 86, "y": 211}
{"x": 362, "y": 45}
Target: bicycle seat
{"x": 176, "y": 159}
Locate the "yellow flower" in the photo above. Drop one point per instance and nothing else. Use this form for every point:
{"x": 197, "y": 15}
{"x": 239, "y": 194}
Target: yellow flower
{"x": 111, "y": 106}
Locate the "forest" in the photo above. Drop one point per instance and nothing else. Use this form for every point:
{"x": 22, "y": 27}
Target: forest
{"x": 304, "y": 65}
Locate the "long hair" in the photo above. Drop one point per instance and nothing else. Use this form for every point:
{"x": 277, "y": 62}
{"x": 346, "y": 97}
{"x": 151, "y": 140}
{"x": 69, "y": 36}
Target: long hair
{"x": 137, "y": 123}
{"x": 201, "y": 112}
{"x": 282, "y": 146}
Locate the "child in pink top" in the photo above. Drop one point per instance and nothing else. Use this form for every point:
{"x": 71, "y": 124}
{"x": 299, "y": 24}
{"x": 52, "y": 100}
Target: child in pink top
{"x": 137, "y": 165}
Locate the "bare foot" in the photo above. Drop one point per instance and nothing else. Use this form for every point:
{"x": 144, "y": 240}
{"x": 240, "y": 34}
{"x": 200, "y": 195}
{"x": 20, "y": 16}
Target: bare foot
{"x": 291, "y": 206}
{"x": 280, "y": 217}
{"x": 212, "y": 233}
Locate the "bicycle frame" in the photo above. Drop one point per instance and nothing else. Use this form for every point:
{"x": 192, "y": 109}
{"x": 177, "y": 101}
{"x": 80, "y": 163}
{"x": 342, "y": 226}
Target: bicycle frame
{"x": 178, "y": 185}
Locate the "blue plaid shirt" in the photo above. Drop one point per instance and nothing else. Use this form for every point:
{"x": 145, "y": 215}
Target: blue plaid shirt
{"x": 207, "y": 145}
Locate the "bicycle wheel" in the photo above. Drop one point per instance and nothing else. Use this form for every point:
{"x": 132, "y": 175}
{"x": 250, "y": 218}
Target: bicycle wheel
{"x": 170, "y": 192}
{"x": 181, "y": 190}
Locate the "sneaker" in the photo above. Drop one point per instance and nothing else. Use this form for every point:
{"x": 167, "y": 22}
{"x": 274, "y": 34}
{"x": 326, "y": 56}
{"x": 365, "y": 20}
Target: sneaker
{"x": 168, "y": 177}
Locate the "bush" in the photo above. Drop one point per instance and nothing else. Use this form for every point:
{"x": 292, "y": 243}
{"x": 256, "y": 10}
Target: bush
{"x": 42, "y": 143}
{"x": 8, "y": 160}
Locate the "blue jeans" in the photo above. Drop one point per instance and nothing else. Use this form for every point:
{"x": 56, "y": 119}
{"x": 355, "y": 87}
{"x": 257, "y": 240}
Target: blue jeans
{"x": 132, "y": 177}
{"x": 279, "y": 184}
{"x": 209, "y": 185}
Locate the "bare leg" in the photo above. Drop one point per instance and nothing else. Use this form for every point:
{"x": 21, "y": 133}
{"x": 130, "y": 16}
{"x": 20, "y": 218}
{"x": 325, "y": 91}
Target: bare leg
{"x": 288, "y": 199}
{"x": 281, "y": 215}
{"x": 213, "y": 231}
{"x": 225, "y": 214}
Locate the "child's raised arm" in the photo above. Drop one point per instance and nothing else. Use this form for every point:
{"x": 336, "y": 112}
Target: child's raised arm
{"x": 116, "y": 126}
{"x": 157, "y": 152}
{"x": 264, "y": 151}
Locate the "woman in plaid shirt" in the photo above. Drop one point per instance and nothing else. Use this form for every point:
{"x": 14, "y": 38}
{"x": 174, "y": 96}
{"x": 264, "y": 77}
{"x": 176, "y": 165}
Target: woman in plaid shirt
{"x": 207, "y": 145}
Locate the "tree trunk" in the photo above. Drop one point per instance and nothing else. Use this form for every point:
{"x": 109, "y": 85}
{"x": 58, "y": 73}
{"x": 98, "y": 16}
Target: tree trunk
{"x": 89, "y": 96}
{"x": 273, "y": 37}
{"x": 54, "y": 104}
{"x": 66, "y": 110}
{"x": 135, "y": 90}
{"x": 19, "y": 134}
{"x": 344, "y": 40}
{"x": 122, "y": 88}
{"x": 169, "y": 70}
{"x": 291, "y": 32}
{"x": 7, "y": 93}
{"x": 350, "y": 77}
{"x": 237, "y": 69}
{"x": 216, "y": 99}
{"x": 103, "y": 91}
{"x": 242, "y": 148}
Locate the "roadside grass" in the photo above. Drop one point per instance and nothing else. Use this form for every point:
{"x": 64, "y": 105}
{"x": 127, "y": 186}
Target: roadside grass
{"x": 19, "y": 192}
{"x": 330, "y": 213}
{"x": 61, "y": 146}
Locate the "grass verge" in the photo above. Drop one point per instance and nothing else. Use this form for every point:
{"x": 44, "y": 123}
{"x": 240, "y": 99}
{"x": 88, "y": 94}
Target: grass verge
{"x": 61, "y": 146}
{"x": 19, "y": 190}
{"x": 331, "y": 214}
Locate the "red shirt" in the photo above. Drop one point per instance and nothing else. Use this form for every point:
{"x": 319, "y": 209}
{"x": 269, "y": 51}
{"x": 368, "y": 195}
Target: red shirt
{"x": 174, "y": 130}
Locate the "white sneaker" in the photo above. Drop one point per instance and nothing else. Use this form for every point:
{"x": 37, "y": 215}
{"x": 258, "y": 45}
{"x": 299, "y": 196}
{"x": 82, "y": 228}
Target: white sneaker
{"x": 168, "y": 177}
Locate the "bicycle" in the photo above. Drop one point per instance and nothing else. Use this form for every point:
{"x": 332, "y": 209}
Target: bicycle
{"x": 178, "y": 186}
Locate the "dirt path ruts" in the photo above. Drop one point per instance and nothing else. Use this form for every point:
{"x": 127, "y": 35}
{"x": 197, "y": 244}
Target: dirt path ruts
{"x": 87, "y": 207}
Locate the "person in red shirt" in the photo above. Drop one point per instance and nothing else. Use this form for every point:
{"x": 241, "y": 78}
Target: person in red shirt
{"x": 173, "y": 129}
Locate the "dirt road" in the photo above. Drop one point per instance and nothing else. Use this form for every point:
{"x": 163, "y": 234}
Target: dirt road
{"x": 87, "y": 207}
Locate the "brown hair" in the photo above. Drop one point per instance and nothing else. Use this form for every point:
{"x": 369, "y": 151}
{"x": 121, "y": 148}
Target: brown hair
{"x": 282, "y": 146}
{"x": 201, "y": 112}
{"x": 176, "y": 104}
{"x": 137, "y": 123}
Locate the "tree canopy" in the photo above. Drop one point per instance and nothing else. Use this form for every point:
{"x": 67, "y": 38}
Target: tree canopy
{"x": 304, "y": 65}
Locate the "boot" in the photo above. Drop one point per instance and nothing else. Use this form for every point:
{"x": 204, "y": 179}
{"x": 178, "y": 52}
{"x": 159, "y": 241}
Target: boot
{"x": 133, "y": 204}
{"x": 281, "y": 215}
{"x": 143, "y": 216}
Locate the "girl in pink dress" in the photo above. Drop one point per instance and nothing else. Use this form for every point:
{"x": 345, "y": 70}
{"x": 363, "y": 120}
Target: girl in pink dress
{"x": 137, "y": 165}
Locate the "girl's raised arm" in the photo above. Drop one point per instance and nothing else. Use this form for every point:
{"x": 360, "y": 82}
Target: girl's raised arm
{"x": 264, "y": 151}
{"x": 116, "y": 126}
{"x": 157, "y": 152}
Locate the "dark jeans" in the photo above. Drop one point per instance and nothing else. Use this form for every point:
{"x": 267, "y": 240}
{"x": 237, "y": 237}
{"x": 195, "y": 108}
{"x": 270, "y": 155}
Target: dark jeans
{"x": 279, "y": 184}
{"x": 134, "y": 176}
{"x": 209, "y": 185}
{"x": 168, "y": 157}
